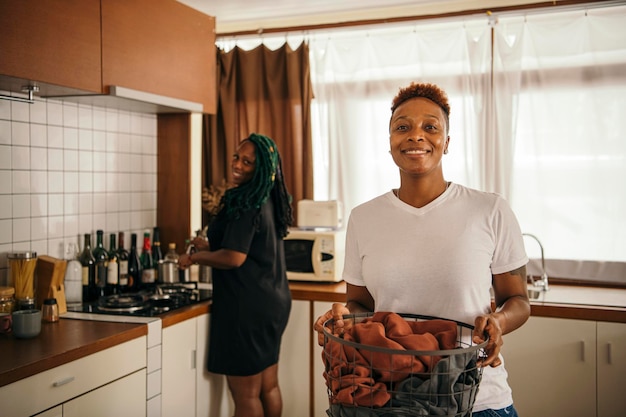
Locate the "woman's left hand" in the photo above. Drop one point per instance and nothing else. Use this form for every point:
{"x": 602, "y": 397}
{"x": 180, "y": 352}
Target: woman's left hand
{"x": 488, "y": 326}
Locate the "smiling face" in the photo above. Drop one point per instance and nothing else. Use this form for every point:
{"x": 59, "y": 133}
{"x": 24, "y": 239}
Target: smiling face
{"x": 243, "y": 163}
{"x": 418, "y": 136}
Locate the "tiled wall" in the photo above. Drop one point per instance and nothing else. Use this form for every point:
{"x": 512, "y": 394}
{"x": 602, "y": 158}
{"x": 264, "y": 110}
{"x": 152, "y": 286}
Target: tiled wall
{"x": 68, "y": 169}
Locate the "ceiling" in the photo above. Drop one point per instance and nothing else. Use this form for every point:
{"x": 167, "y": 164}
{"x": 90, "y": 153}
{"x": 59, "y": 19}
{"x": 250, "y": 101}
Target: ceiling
{"x": 234, "y": 16}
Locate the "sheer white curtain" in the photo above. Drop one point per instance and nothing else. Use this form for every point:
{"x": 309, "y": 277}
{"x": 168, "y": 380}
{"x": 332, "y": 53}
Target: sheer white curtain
{"x": 355, "y": 77}
{"x": 563, "y": 75}
{"x": 537, "y": 118}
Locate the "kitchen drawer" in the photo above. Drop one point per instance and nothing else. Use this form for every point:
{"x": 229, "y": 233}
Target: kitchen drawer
{"x": 57, "y": 385}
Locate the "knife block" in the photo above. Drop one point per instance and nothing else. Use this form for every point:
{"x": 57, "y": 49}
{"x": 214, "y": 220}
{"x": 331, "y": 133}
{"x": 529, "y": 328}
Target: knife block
{"x": 50, "y": 276}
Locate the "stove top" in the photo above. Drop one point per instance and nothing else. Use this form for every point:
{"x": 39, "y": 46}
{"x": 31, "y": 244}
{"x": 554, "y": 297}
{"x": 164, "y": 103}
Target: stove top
{"x": 147, "y": 303}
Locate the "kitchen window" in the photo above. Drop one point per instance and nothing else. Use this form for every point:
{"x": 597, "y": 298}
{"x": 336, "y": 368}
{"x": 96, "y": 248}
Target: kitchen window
{"x": 540, "y": 124}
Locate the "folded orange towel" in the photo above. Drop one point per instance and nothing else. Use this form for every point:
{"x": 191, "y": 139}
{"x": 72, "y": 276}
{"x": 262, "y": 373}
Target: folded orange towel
{"x": 358, "y": 376}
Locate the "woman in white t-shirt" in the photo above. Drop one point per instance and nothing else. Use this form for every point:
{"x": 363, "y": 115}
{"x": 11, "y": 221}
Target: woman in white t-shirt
{"x": 435, "y": 248}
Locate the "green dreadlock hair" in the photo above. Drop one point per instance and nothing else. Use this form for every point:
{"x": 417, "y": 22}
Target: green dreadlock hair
{"x": 266, "y": 181}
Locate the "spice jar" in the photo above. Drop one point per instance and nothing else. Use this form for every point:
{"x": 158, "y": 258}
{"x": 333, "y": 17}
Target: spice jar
{"x": 22, "y": 274}
{"x": 7, "y": 299}
{"x": 50, "y": 310}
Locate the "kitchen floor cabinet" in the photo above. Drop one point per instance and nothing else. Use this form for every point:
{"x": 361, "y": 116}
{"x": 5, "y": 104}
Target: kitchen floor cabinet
{"x": 124, "y": 397}
{"x": 561, "y": 367}
{"x": 178, "y": 370}
{"x": 611, "y": 369}
{"x": 293, "y": 369}
{"x": 72, "y": 388}
{"x": 187, "y": 389}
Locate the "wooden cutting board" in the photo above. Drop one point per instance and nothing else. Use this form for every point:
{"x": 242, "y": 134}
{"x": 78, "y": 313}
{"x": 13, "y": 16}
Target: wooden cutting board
{"x": 50, "y": 274}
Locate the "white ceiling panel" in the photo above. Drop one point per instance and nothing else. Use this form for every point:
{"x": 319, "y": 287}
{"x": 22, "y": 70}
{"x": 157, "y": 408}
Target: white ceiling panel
{"x": 257, "y": 15}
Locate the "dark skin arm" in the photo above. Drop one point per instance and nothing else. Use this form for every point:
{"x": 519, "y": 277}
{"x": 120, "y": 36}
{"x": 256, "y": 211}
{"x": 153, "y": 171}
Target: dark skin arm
{"x": 512, "y": 310}
{"x": 221, "y": 259}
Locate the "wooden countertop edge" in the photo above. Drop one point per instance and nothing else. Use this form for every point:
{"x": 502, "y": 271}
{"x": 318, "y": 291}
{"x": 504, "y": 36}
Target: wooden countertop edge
{"x": 336, "y": 292}
{"x": 578, "y": 312}
{"x": 36, "y": 367}
{"x": 185, "y": 313}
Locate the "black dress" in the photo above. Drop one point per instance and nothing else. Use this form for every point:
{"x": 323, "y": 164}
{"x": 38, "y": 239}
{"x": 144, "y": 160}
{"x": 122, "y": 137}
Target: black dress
{"x": 251, "y": 304}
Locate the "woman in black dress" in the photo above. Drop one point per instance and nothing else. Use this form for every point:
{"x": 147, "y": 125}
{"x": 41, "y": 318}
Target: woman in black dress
{"x": 251, "y": 296}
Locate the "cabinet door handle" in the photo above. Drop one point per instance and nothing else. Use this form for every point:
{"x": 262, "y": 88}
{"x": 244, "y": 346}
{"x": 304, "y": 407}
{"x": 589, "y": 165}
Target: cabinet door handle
{"x": 609, "y": 353}
{"x": 63, "y": 381}
{"x": 193, "y": 359}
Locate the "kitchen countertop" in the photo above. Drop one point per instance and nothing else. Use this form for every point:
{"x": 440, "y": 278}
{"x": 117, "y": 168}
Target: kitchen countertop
{"x": 59, "y": 343}
{"x": 71, "y": 339}
{"x": 560, "y": 301}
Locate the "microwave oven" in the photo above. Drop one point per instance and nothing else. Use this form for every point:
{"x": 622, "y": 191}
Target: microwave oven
{"x": 315, "y": 255}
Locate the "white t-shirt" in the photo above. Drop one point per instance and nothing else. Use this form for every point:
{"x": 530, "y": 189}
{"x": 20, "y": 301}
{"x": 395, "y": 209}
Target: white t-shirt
{"x": 437, "y": 260}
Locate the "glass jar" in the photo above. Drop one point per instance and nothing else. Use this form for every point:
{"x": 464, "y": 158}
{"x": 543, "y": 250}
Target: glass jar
{"x": 7, "y": 299}
{"x": 22, "y": 274}
{"x": 50, "y": 310}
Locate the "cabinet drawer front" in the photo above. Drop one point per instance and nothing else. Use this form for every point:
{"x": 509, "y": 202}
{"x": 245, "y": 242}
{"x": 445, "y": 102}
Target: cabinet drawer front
{"x": 57, "y": 385}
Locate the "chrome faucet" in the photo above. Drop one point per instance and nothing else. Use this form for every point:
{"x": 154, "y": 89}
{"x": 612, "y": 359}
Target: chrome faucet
{"x": 543, "y": 282}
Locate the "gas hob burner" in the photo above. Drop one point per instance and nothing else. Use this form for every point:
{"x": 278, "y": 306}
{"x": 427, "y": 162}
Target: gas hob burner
{"x": 122, "y": 302}
{"x": 148, "y": 302}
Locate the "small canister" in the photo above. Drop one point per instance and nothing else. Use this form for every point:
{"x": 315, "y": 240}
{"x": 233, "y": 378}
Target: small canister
{"x": 7, "y": 299}
{"x": 22, "y": 274}
{"x": 50, "y": 310}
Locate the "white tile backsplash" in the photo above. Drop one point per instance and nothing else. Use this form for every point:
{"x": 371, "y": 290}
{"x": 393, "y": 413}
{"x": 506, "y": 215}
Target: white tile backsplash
{"x": 38, "y": 112}
{"x": 21, "y": 206}
{"x": 20, "y": 157}
{"x": 5, "y": 157}
{"x": 21, "y": 182}
{"x": 69, "y": 169}
{"x": 20, "y": 112}
{"x": 20, "y": 133}
{"x": 5, "y": 131}
{"x": 38, "y": 135}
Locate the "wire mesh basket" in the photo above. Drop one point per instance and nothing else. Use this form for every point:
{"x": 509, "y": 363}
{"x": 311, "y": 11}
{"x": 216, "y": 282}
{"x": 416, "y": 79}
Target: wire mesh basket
{"x": 389, "y": 364}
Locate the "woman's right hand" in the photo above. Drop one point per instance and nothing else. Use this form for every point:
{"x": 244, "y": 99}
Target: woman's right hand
{"x": 337, "y": 312}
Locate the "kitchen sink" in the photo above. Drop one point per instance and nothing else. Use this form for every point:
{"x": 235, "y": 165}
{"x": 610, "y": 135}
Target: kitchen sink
{"x": 578, "y": 295}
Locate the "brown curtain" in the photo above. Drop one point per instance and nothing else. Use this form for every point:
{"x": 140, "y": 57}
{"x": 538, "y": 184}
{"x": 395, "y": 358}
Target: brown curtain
{"x": 267, "y": 92}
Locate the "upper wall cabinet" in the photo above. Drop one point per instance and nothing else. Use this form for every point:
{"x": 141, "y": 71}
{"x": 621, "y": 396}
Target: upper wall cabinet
{"x": 159, "y": 46}
{"x": 51, "y": 41}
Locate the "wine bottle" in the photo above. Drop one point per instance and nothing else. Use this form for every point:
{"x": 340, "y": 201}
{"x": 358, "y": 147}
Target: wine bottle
{"x": 147, "y": 266}
{"x": 88, "y": 265}
{"x": 122, "y": 261}
{"x": 134, "y": 265}
{"x": 113, "y": 277}
{"x": 73, "y": 276}
{"x": 157, "y": 255}
{"x": 102, "y": 260}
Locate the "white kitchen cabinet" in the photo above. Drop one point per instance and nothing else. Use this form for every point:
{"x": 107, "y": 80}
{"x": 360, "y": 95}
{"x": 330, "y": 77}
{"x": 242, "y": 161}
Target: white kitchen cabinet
{"x": 187, "y": 389}
{"x": 552, "y": 367}
{"x": 611, "y": 369}
{"x": 124, "y": 397}
{"x": 569, "y": 368}
{"x": 178, "y": 370}
{"x": 293, "y": 366}
{"x": 86, "y": 376}
{"x": 213, "y": 397}
{"x": 53, "y": 412}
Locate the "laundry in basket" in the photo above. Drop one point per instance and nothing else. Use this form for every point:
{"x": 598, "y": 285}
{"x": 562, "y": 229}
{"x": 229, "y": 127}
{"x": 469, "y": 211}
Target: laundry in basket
{"x": 388, "y": 364}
